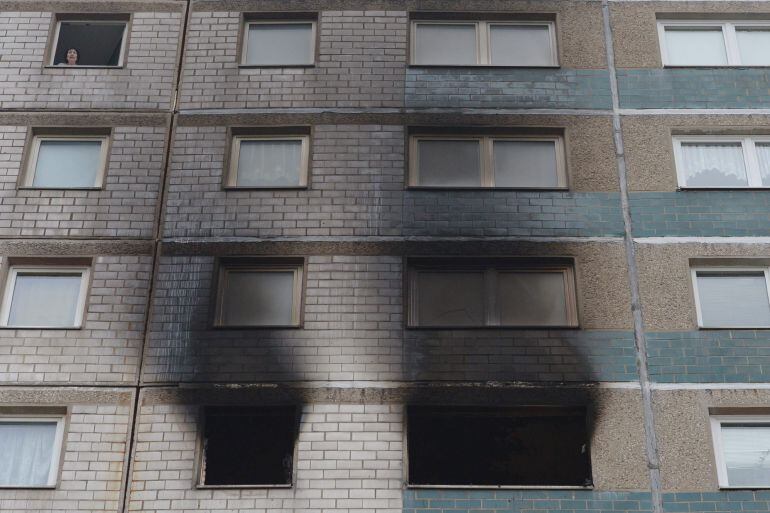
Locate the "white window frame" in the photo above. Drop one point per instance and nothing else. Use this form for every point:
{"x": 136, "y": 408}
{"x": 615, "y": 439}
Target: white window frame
{"x": 716, "y": 435}
{"x": 56, "y": 450}
{"x": 484, "y": 41}
{"x": 10, "y": 285}
{"x": 83, "y": 21}
{"x": 296, "y": 304}
{"x": 232, "y": 176}
{"x": 727, "y": 270}
{"x": 487, "y": 159}
{"x": 29, "y": 174}
{"x": 728, "y": 29}
{"x": 245, "y": 45}
{"x": 490, "y": 290}
{"x": 750, "y": 159}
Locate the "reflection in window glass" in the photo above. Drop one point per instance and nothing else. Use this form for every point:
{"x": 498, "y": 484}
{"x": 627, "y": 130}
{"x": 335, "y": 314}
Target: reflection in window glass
{"x": 745, "y": 451}
{"x": 448, "y": 44}
{"x": 753, "y": 46}
{"x": 695, "y": 46}
{"x": 271, "y": 44}
{"x": 45, "y": 300}
{"x": 714, "y": 165}
{"x": 67, "y": 164}
{"x": 451, "y": 298}
{"x": 520, "y": 45}
{"x": 449, "y": 163}
{"x": 269, "y": 164}
{"x": 27, "y": 450}
{"x": 525, "y": 164}
{"x": 733, "y": 299}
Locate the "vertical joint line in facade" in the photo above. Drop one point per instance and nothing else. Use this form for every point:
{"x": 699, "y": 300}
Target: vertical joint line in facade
{"x": 640, "y": 343}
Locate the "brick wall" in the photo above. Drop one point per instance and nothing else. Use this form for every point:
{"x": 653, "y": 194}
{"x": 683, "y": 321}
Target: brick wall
{"x": 125, "y": 207}
{"x": 145, "y": 82}
{"x": 361, "y": 62}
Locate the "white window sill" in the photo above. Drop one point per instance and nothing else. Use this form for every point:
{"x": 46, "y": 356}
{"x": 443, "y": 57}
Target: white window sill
{"x": 499, "y": 487}
{"x": 240, "y": 487}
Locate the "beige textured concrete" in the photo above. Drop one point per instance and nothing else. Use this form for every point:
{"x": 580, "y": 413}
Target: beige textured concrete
{"x": 634, "y": 25}
{"x": 684, "y": 434}
{"x": 650, "y": 151}
{"x": 665, "y": 283}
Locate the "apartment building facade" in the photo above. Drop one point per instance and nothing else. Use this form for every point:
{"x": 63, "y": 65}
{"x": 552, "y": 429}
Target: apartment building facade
{"x": 384, "y": 255}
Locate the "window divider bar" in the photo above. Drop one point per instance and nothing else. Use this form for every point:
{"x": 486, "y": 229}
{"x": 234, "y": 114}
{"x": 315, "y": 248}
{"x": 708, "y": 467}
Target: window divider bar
{"x": 752, "y": 162}
{"x": 731, "y": 44}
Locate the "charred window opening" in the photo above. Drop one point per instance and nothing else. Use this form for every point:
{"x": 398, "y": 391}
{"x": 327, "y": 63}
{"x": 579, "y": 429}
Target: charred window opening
{"x": 249, "y": 446}
{"x": 97, "y": 42}
{"x": 498, "y": 447}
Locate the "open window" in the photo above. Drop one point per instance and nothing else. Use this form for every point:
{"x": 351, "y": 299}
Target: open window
{"x": 98, "y": 41}
{"x": 59, "y": 160}
{"x": 477, "y": 161}
{"x": 532, "y": 446}
{"x": 30, "y": 447}
{"x": 508, "y": 292}
{"x": 741, "y": 446}
{"x": 248, "y": 446}
{"x": 259, "y": 293}
{"x": 44, "y": 296}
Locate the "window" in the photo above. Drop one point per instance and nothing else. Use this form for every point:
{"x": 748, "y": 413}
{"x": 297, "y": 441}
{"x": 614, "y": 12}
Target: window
{"x": 722, "y": 161}
{"x": 537, "y": 446}
{"x": 260, "y": 161}
{"x": 732, "y": 297}
{"x": 99, "y": 42}
{"x": 258, "y": 293}
{"x": 714, "y": 43}
{"x": 66, "y": 162}
{"x": 279, "y": 43}
{"x": 248, "y": 446}
{"x": 741, "y": 446}
{"x": 44, "y": 297}
{"x": 494, "y": 292}
{"x": 484, "y": 43}
{"x": 535, "y": 162}
{"x": 30, "y": 447}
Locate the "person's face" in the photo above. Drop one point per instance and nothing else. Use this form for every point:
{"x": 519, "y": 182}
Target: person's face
{"x": 72, "y": 56}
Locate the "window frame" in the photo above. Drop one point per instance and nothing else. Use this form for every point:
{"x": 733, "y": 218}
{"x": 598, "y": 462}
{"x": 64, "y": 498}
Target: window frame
{"x": 727, "y": 28}
{"x": 10, "y": 286}
{"x": 737, "y": 270}
{"x": 244, "y": 49}
{"x": 484, "y": 41}
{"x": 31, "y": 164}
{"x": 491, "y": 308}
{"x": 82, "y": 21}
{"x": 298, "y": 268}
{"x": 487, "y": 159}
{"x": 231, "y": 177}
{"x": 748, "y": 147}
{"x": 56, "y": 450}
{"x": 716, "y": 422}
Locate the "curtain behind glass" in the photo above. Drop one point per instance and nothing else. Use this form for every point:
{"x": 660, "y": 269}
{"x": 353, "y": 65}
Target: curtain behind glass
{"x": 695, "y": 47}
{"x": 714, "y": 165}
{"x": 763, "y": 156}
{"x": 26, "y": 451}
{"x": 733, "y": 300}
{"x": 445, "y": 44}
{"x": 525, "y": 164}
{"x": 44, "y": 300}
{"x": 67, "y": 164}
{"x": 280, "y": 44}
{"x": 269, "y": 163}
{"x": 523, "y": 45}
{"x": 747, "y": 454}
{"x": 449, "y": 163}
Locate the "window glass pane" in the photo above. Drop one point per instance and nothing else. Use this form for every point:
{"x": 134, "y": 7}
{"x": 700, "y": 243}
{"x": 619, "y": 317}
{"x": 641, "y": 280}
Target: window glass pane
{"x": 27, "y": 452}
{"x": 450, "y": 298}
{"x": 714, "y": 165}
{"x": 280, "y": 43}
{"x": 449, "y": 163}
{"x": 523, "y": 45}
{"x": 746, "y": 448}
{"x": 254, "y": 298}
{"x": 733, "y": 299}
{"x": 269, "y": 164}
{"x": 45, "y": 300}
{"x": 97, "y": 44}
{"x": 445, "y": 44}
{"x": 67, "y": 164}
{"x": 763, "y": 156}
{"x": 753, "y": 45}
{"x": 695, "y": 47}
{"x": 532, "y": 298}
{"x": 525, "y": 164}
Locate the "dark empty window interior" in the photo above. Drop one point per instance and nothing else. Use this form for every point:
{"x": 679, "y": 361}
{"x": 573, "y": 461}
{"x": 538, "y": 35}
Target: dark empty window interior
{"x": 498, "y": 447}
{"x": 249, "y": 446}
{"x": 97, "y": 43}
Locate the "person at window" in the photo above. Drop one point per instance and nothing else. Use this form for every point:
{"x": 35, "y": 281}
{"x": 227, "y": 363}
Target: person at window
{"x": 71, "y": 57}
